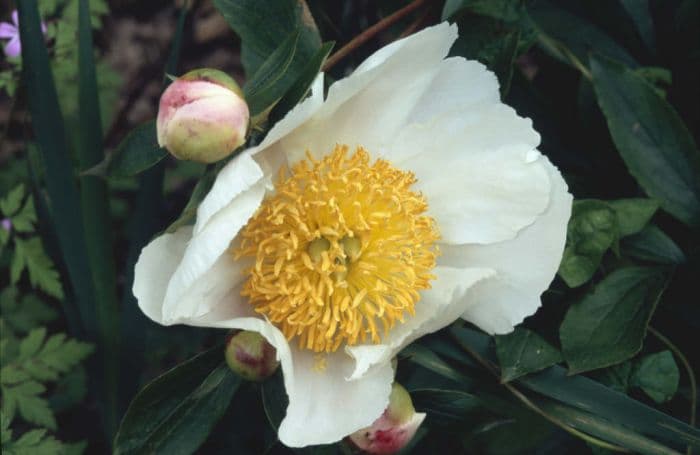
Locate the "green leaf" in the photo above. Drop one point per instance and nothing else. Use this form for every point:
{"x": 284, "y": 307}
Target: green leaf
{"x": 592, "y": 229}
{"x": 34, "y": 442}
{"x": 633, "y": 214}
{"x": 428, "y": 359}
{"x": 657, "y": 374}
{"x": 298, "y": 91}
{"x": 272, "y": 80}
{"x": 96, "y": 217}
{"x": 608, "y": 325}
{"x": 24, "y": 398}
{"x": 554, "y": 25}
{"x": 12, "y": 201}
{"x": 506, "y": 10}
{"x": 48, "y": 128}
{"x": 640, "y": 14}
{"x": 522, "y": 352}
{"x": 656, "y": 146}
{"x": 274, "y": 398}
{"x": 606, "y": 429}
{"x": 188, "y": 214}
{"x": 175, "y": 413}
{"x": 23, "y": 221}
{"x": 652, "y": 244}
{"x": 26, "y": 314}
{"x": 262, "y": 26}
{"x": 590, "y": 396}
{"x": 47, "y": 359}
{"x": 30, "y": 254}
{"x": 444, "y": 407}
{"x": 136, "y": 153}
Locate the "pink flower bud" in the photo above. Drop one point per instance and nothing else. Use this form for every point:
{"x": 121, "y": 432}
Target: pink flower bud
{"x": 202, "y": 116}
{"x": 250, "y": 356}
{"x": 393, "y": 429}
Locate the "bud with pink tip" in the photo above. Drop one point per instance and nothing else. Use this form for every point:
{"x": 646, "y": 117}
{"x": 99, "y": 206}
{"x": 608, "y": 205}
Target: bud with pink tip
{"x": 202, "y": 116}
{"x": 250, "y": 356}
{"x": 393, "y": 429}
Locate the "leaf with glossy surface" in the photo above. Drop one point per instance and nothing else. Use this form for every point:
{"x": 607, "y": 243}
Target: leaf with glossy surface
{"x": 656, "y": 374}
{"x": 444, "y": 407}
{"x": 592, "y": 229}
{"x": 174, "y": 413}
{"x": 524, "y": 351}
{"x": 262, "y": 26}
{"x": 298, "y": 91}
{"x": 588, "y": 395}
{"x": 274, "y": 398}
{"x": 272, "y": 80}
{"x": 136, "y": 153}
{"x": 554, "y": 25}
{"x": 656, "y": 146}
{"x": 633, "y": 214}
{"x": 608, "y": 325}
{"x": 652, "y": 244}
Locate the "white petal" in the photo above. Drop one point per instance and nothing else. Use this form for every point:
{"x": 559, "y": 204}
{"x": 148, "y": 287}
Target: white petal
{"x": 478, "y": 171}
{"x": 459, "y": 84}
{"x": 217, "y": 292}
{"x": 211, "y": 239}
{"x": 525, "y": 265}
{"x": 437, "y": 308}
{"x": 155, "y": 267}
{"x": 236, "y": 177}
{"x": 315, "y": 414}
{"x": 295, "y": 117}
{"x": 367, "y": 107}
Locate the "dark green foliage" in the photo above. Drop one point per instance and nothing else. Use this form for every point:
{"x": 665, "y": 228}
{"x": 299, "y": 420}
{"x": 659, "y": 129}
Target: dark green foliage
{"x": 608, "y": 325}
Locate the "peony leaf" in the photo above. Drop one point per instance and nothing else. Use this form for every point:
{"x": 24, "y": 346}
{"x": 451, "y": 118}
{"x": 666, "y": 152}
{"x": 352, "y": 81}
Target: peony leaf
{"x": 657, "y": 374}
{"x": 272, "y": 80}
{"x": 444, "y": 407}
{"x": 608, "y": 325}
{"x": 583, "y": 394}
{"x": 593, "y": 228}
{"x": 652, "y": 244}
{"x": 262, "y": 26}
{"x": 175, "y": 413}
{"x": 298, "y": 91}
{"x": 274, "y": 399}
{"x": 655, "y": 144}
{"x": 522, "y": 352}
{"x": 136, "y": 153}
{"x": 633, "y": 214}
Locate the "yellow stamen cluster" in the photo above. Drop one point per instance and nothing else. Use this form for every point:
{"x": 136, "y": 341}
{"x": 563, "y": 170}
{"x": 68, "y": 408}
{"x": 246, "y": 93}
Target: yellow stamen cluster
{"x": 341, "y": 250}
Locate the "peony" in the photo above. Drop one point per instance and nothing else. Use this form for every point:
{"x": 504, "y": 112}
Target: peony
{"x": 409, "y": 197}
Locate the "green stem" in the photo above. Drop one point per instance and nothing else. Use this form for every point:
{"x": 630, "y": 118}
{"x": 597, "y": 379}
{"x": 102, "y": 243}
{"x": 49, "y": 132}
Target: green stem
{"x": 689, "y": 370}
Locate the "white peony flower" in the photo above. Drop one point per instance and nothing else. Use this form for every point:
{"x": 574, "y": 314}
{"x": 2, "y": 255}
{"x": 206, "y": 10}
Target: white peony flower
{"x": 409, "y": 197}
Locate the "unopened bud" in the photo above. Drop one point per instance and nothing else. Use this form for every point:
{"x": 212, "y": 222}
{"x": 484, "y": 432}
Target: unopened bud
{"x": 202, "y": 116}
{"x": 250, "y": 356}
{"x": 394, "y": 428}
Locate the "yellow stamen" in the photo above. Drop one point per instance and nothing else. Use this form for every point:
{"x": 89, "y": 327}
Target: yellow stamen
{"x": 341, "y": 250}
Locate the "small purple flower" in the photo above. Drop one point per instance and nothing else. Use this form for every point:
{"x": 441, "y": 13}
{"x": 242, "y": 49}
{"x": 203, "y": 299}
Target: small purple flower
{"x": 6, "y": 224}
{"x": 11, "y": 31}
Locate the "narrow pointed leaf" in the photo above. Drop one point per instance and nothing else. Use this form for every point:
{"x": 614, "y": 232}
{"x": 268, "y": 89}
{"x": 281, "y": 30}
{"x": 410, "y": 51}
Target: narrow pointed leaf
{"x": 656, "y": 146}
{"x": 48, "y": 126}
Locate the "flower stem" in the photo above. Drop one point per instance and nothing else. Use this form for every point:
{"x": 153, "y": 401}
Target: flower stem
{"x": 363, "y": 37}
{"x": 691, "y": 376}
